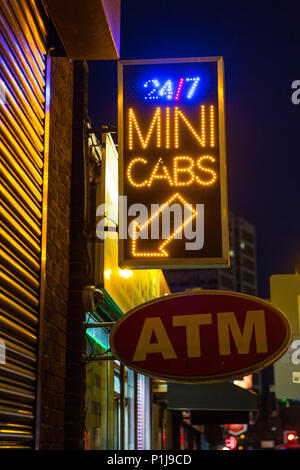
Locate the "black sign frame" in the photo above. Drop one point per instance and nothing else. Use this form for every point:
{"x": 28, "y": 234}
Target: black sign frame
{"x": 218, "y": 257}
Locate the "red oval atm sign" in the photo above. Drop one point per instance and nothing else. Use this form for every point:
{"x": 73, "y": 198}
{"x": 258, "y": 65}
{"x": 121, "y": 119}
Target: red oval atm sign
{"x": 203, "y": 336}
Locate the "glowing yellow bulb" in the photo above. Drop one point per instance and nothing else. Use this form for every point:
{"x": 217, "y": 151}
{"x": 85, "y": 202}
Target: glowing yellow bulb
{"x": 161, "y": 251}
{"x": 160, "y": 171}
{"x": 129, "y": 176}
{"x": 107, "y": 273}
{"x": 167, "y": 128}
{"x": 185, "y": 169}
{"x": 212, "y": 126}
{"x": 154, "y": 174}
{"x": 133, "y": 123}
{"x": 203, "y": 125}
{"x": 206, "y": 170}
{"x": 126, "y": 273}
{"x": 179, "y": 113}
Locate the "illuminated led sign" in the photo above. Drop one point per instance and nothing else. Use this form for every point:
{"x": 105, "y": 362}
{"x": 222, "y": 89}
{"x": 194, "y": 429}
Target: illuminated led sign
{"x": 172, "y": 164}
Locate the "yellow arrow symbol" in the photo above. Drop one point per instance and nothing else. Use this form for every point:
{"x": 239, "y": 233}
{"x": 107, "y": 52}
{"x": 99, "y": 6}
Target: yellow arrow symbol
{"x": 161, "y": 249}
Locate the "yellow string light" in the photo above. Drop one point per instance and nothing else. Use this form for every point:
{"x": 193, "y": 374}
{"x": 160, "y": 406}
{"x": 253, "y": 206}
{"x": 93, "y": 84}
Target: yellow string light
{"x": 203, "y": 126}
{"x": 212, "y": 126}
{"x": 177, "y": 169}
{"x": 188, "y": 169}
{"x": 161, "y": 251}
{"x": 179, "y": 113}
{"x": 167, "y": 127}
{"x": 129, "y": 176}
{"x": 133, "y": 123}
{"x": 206, "y": 170}
{"x": 154, "y": 174}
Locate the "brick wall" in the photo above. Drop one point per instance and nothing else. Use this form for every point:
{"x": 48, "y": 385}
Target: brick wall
{"x": 54, "y": 329}
{"x": 79, "y": 271}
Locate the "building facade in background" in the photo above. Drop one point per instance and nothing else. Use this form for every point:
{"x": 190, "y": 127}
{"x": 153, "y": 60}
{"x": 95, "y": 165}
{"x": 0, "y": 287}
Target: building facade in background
{"x": 207, "y": 431}
{"x": 241, "y": 276}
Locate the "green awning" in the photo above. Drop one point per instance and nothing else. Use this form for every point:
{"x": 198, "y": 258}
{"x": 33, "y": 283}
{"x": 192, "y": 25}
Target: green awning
{"x": 108, "y": 309}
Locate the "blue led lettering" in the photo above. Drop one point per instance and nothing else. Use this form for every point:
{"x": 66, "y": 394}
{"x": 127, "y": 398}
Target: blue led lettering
{"x": 167, "y": 90}
{"x": 185, "y": 88}
{"x": 151, "y": 94}
{"x": 194, "y": 81}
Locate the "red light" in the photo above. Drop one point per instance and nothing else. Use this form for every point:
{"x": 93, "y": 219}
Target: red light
{"x": 291, "y": 437}
{"x": 230, "y": 442}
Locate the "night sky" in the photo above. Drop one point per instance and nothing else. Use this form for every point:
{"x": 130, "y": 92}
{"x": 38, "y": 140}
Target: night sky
{"x": 260, "y": 43}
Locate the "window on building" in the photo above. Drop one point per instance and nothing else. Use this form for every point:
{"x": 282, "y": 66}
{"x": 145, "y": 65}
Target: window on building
{"x": 117, "y": 407}
{"x": 130, "y": 390}
{"x": 227, "y": 282}
{"x": 143, "y": 413}
{"x": 96, "y": 402}
{"x": 248, "y": 236}
{"x": 249, "y": 290}
{"x": 248, "y": 264}
{"x": 248, "y": 277}
{"x": 248, "y": 250}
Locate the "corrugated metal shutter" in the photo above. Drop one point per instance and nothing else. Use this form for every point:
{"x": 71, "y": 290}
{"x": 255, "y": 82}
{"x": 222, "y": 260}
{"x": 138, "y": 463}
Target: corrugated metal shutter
{"x": 22, "y": 104}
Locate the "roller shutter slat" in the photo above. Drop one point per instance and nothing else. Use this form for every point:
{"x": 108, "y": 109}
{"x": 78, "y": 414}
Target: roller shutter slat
{"x": 19, "y": 248}
{"x": 12, "y": 67}
{"x": 20, "y": 46}
{"x": 30, "y": 180}
{"x": 22, "y": 74}
{"x": 14, "y": 265}
{"x": 23, "y": 15}
{"x": 19, "y": 138}
{"x": 22, "y": 156}
{"x": 27, "y": 220}
{"x": 16, "y": 306}
{"x": 19, "y": 288}
{"x": 17, "y": 188}
{"x": 20, "y": 96}
{"x": 15, "y": 330}
{"x": 15, "y": 225}
{"x": 29, "y": 128}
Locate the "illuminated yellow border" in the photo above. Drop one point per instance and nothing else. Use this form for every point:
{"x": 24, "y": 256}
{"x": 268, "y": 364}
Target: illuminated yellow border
{"x": 213, "y": 378}
{"x": 176, "y": 263}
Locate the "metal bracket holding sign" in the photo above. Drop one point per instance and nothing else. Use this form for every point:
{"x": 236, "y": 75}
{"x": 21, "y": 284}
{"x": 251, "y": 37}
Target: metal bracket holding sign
{"x": 172, "y": 164}
{"x": 103, "y": 356}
